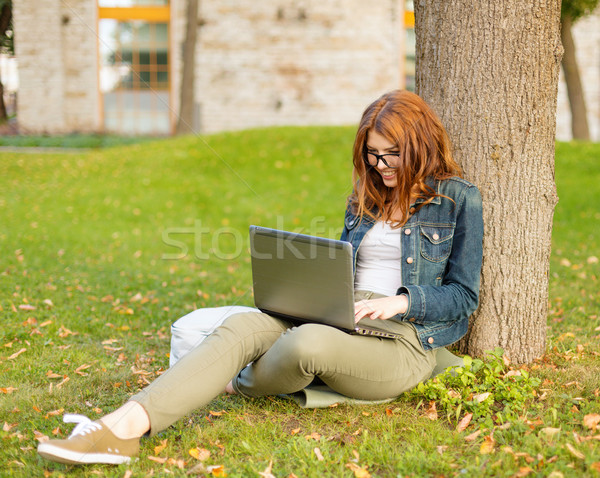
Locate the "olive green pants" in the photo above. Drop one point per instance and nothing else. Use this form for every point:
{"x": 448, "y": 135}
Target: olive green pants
{"x": 284, "y": 358}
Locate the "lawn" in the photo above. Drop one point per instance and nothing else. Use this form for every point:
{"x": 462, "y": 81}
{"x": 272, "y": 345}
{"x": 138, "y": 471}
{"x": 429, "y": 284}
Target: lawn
{"x": 103, "y": 249}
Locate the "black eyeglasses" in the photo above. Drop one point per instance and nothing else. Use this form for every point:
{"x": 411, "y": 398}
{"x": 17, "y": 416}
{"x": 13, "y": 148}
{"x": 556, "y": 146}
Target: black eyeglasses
{"x": 372, "y": 159}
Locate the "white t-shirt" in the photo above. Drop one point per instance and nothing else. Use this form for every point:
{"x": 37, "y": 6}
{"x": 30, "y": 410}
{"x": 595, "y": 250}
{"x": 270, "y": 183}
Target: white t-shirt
{"x": 378, "y": 265}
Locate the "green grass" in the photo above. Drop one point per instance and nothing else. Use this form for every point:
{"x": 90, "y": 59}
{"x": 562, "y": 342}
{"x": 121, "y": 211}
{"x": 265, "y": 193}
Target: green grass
{"x": 88, "y": 278}
{"x": 70, "y": 141}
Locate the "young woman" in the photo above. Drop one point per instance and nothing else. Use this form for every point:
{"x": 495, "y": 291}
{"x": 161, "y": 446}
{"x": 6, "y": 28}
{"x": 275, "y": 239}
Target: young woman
{"x": 416, "y": 229}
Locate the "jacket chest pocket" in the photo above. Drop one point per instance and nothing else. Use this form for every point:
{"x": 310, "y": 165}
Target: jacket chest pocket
{"x": 436, "y": 242}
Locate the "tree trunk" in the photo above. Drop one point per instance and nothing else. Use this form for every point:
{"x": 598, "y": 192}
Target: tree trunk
{"x": 3, "y": 113}
{"x": 490, "y": 70}
{"x": 185, "y": 122}
{"x": 5, "y": 23}
{"x": 579, "y": 124}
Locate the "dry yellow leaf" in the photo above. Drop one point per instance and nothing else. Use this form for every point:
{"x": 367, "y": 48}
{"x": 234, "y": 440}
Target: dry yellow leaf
{"x": 574, "y": 451}
{"x": 591, "y": 421}
{"x": 358, "y": 471}
{"x": 431, "y": 412}
{"x": 523, "y": 471}
{"x": 318, "y": 454}
{"x": 157, "y": 459}
{"x": 16, "y": 354}
{"x": 267, "y": 471}
{"x": 161, "y": 447}
{"x": 488, "y": 445}
{"x": 549, "y": 431}
{"x": 464, "y": 423}
{"x": 473, "y": 435}
{"x": 199, "y": 453}
{"x": 217, "y": 470}
{"x": 481, "y": 397}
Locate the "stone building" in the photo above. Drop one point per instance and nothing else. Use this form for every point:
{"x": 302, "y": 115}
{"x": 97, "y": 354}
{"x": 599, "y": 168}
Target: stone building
{"x": 115, "y": 65}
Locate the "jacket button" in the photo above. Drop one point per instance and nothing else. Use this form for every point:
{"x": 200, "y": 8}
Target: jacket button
{"x": 412, "y": 319}
{"x": 407, "y": 232}
{"x": 435, "y": 237}
{"x": 430, "y": 340}
{"x": 409, "y": 260}
{"x": 412, "y": 210}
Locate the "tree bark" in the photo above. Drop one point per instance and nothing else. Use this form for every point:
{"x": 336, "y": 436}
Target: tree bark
{"x": 185, "y": 122}
{"x": 579, "y": 123}
{"x": 490, "y": 70}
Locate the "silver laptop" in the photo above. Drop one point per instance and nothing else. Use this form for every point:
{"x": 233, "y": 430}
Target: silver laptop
{"x": 305, "y": 278}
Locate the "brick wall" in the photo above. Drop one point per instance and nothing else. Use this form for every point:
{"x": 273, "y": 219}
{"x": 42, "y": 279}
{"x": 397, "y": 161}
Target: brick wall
{"x": 291, "y": 62}
{"x": 56, "y": 50}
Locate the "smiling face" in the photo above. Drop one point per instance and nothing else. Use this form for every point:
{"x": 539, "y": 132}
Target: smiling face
{"x": 379, "y": 145}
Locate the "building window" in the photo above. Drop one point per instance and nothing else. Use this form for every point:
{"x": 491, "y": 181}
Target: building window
{"x": 135, "y": 66}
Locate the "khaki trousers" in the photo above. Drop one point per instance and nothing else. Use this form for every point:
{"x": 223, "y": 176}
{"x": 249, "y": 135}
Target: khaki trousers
{"x": 284, "y": 358}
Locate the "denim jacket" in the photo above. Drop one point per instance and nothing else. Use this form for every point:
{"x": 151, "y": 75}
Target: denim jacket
{"x": 441, "y": 260}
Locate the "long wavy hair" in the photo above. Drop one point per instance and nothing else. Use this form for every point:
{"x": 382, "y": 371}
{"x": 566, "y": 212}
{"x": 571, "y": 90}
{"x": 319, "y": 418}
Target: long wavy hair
{"x": 406, "y": 121}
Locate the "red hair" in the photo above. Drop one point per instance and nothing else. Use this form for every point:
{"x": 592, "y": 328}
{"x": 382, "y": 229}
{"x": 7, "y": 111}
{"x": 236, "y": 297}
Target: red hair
{"x": 406, "y": 121}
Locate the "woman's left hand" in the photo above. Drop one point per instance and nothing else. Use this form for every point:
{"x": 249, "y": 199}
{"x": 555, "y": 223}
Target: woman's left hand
{"x": 382, "y": 308}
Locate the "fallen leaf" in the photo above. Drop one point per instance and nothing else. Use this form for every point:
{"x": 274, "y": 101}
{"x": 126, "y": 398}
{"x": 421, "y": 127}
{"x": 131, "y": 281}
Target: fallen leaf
{"x": 79, "y": 370}
{"x": 26, "y": 307}
{"x": 464, "y": 423}
{"x": 318, "y": 454}
{"x": 591, "y": 421}
{"x": 217, "y": 470}
{"x": 358, "y": 471}
{"x": 198, "y": 469}
{"x": 313, "y": 436}
{"x": 267, "y": 471}
{"x": 157, "y": 459}
{"x": 56, "y": 412}
{"x": 487, "y": 446}
{"x": 295, "y": 431}
{"x": 453, "y": 394}
{"x": 473, "y": 435}
{"x": 39, "y": 436}
{"x": 199, "y": 453}
{"x": 8, "y": 390}
{"x": 16, "y": 354}
{"x": 481, "y": 397}
{"x": 523, "y": 471}
{"x": 128, "y": 474}
{"x": 549, "y": 431}
{"x": 595, "y": 466}
{"x": 441, "y": 449}
{"x": 51, "y": 374}
{"x": 216, "y": 414}
{"x": 8, "y": 427}
{"x": 576, "y": 453}
{"x": 161, "y": 447}
{"x": 431, "y": 412}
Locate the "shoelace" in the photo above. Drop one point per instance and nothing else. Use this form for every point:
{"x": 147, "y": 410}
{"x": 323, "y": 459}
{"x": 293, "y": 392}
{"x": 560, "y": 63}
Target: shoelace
{"x": 84, "y": 424}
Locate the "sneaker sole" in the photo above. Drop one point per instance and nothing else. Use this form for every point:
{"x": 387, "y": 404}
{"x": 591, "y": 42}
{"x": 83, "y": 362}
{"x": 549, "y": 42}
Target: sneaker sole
{"x": 61, "y": 455}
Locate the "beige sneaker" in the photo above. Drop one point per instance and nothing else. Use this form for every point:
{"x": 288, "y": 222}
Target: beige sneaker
{"x": 90, "y": 442}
